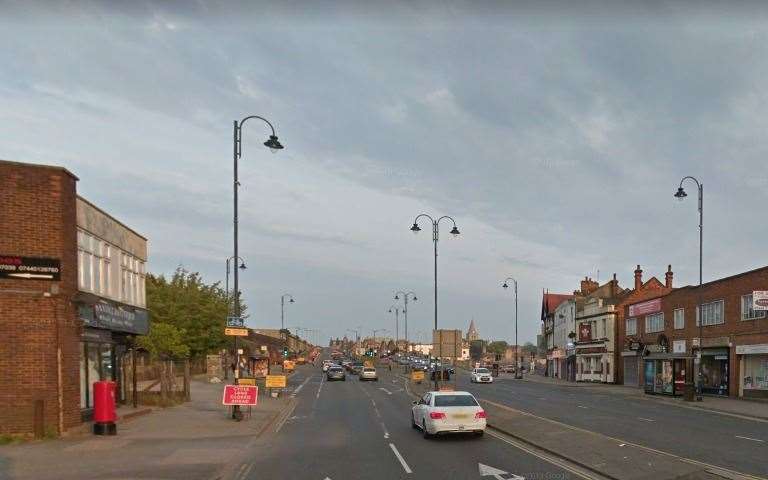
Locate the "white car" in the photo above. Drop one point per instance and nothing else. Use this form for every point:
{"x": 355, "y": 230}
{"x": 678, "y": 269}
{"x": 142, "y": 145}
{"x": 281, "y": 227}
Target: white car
{"x": 448, "y": 412}
{"x": 368, "y": 373}
{"x": 481, "y": 375}
{"x": 326, "y": 365}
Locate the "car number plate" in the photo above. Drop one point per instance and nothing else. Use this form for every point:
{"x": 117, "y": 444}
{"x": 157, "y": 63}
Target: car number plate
{"x": 461, "y": 415}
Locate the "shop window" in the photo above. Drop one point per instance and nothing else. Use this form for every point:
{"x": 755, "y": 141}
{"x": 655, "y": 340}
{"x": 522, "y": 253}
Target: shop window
{"x": 756, "y": 372}
{"x": 679, "y": 315}
{"x": 654, "y": 323}
{"x": 712, "y": 313}
{"x": 92, "y": 367}
{"x": 83, "y": 377}
{"x": 631, "y": 324}
{"x": 747, "y": 312}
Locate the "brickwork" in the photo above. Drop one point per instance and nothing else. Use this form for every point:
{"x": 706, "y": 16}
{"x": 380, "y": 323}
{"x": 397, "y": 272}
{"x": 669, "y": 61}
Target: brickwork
{"x": 37, "y": 219}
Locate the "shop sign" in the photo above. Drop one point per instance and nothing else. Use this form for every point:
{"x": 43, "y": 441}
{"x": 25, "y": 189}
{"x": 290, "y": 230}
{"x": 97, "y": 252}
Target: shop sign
{"x": 110, "y": 316}
{"x": 655, "y": 349}
{"x": 30, "y": 268}
{"x": 644, "y": 308}
{"x": 585, "y": 332}
{"x": 96, "y": 335}
{"x": 760, "y": 300}
{"x": 557, "y": 353}
{"x": 240, "y": 395}
{"x": 761, "y": 349}
{"x": 678, "y": 346}
{"x": 635, "y": 346}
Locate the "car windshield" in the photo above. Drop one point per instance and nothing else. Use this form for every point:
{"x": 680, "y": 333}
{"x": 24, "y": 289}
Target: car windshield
{"x": 335, "y": 369}
{"x": 455, "y": 401}
{"x": 482, "y": 370}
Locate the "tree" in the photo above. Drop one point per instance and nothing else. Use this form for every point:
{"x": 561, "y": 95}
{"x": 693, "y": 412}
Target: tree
{"x": 166, "y": 343}
{"x": 498, "y": 346}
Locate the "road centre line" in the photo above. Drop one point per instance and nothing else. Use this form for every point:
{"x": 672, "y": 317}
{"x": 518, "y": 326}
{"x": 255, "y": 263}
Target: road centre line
{"x": 322, "y": 380}
{"x": 388, "y": 392}
{"x": 298, "y": 389}
{"x": 582, "y": 406}
{"x": 386, "y": 432}
{"x": 400, "y": 457}
{"x": 751, "y": 439}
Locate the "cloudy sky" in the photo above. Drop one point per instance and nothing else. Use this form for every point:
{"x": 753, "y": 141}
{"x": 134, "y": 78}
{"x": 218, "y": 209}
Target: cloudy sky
{"x": 555, "y": 137}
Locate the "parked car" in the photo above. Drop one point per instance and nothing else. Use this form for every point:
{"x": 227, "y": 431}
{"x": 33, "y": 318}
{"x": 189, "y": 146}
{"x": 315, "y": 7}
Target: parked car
{"x": 448, "y": 412}
{"x": 356, "y": 368}
{"x": 508, "y": 369}
{"x": 368, "y": 373}
{"x": 481, "y": 375}
{"x": 336, "y": 373}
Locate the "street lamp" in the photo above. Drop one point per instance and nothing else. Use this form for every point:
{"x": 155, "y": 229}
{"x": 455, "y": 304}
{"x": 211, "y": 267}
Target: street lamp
{"x": 282, "y": 308}
{"x": 435, "y": 237}
{"x": 518, "y": 375}
{"x": 237, "y": 150}
{"x": 226, "y": 283}
{"x": 396, "y": 311}
{"x": 375, "y": 331}
{"x": 405, "y": 296}
{"x": 680, "y": 195}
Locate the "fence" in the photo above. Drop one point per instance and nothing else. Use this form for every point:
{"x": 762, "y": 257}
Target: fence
{"x": 157, "y": 382}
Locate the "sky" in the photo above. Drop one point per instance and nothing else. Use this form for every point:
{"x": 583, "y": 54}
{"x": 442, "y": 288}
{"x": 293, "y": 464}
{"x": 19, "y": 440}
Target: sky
{"x": 555, "y": 136}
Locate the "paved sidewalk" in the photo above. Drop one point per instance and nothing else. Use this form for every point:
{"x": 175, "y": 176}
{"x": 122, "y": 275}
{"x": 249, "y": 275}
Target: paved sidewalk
{"x": 732, "y": 406}
{"x": 196, "y": 440}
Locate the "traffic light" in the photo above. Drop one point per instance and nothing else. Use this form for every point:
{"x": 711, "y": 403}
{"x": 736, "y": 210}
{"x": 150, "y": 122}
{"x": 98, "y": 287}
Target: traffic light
{"x": 285, "y": 351}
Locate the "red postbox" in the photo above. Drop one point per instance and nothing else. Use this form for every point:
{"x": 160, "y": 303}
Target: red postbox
{"x": 104, "y": 414}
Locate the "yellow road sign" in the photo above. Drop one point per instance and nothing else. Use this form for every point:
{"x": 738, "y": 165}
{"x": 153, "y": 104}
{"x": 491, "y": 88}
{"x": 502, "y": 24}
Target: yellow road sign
{"x": 276, "y": 381}
{"x": 246, "y": 381}
{"x": 288, "y": 365}
{"x": 236, "y": 332}
{"x": 417, "y": 375}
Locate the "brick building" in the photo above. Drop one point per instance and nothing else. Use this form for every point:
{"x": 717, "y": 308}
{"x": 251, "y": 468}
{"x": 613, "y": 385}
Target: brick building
{"x": 71, "y": 295}
{"x": 734, "y": 339}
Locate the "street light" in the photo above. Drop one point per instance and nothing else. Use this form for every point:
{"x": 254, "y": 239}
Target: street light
{"x": 226, "y": 282}
{"x": 237, "y": 150}
{"x": 405, "y": 296}
{"x": 435, "y": 237}
{"x": 680, "y": 195}
{"x": 282, "y": 308}
{"x": 396, "y": 311}
{"x": 518, "y": 375}
{"x": 382, "y": 330}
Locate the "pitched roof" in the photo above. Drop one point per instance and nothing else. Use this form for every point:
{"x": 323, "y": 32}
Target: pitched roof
{"x": 550, "y": 301}
{"x": 472, "y": 328}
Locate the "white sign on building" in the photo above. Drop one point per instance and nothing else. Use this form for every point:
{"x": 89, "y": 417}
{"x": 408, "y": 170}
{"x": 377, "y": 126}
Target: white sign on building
{"x": 760, "y": 300}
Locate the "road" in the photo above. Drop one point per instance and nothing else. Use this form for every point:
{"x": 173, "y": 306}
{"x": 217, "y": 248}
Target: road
{"x": 361, "y": 430}
{"x": 736, "y": 443}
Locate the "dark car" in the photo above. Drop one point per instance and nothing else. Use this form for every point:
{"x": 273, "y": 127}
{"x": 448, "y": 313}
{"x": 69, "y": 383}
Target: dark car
{"x": 336, "y": 373}
{"x": 356, "y": 368}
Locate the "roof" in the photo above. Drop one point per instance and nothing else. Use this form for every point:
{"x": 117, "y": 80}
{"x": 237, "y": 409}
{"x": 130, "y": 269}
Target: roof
{"x": 550, "y": 301}
{"x": 40, "y": 165}
{"x": 449, "y": 392}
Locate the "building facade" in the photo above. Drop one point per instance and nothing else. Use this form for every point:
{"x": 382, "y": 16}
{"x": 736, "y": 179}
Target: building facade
{"x": 71, "y": 295}
{"x": 549, "y": 304}
{"x": 564, "y": 328}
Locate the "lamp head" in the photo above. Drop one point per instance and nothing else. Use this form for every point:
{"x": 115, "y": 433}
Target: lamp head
{"x": 291, "y": 300}
{"x": 505, "y": 285}
{"x": 415, "y": 298}
{"x": 455, "y": 231}
{"x": 415, "y": 228}
{"x": 242, "y": 266}
{"x": 680, "y": 195}
{"x": 273, "y": 144}
{"x": 397, "y": 297}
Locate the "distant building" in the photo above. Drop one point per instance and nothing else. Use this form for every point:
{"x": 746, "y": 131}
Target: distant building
{"x": 472, "y": 333}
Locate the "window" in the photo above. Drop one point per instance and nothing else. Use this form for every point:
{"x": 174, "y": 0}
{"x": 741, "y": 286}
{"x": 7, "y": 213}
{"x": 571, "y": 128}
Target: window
{"x": 679, "y": 318}
{"x": 747, "y": 312}
{"x": 654, "y": 323}
{"x": 455, "y": 401}
{"x": 712, "y": 313}
{"x": 631, "y": 326}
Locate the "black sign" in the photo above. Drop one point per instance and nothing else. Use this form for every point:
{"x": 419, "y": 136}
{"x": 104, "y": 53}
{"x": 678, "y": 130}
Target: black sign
{"x": 115, "y": 317}
{"x": 30, "y": 268}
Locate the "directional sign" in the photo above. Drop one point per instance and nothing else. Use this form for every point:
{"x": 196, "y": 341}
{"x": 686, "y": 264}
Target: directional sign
{"x": 486, "y": 471}
{"x": 236, "y": 332}
{"x": 236, "y": 322}
{"x": 276, "y": 381}
{"x": 30, "y": 268}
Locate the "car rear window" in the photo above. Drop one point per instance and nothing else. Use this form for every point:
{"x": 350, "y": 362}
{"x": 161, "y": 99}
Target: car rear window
{"x": 455, "y": 401}
{"x": 369, "y": 369}
{"x": 482, "y": 370}
{"x": 335, "y": 369}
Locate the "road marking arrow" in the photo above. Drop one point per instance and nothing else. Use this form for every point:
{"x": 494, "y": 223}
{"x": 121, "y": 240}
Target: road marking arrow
{"x": 30, "y": 275}
{"x": 486, "y": 470}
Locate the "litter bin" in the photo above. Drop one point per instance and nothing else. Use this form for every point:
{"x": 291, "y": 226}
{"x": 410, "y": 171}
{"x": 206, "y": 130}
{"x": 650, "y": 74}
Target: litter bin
{"x": 689, "y": 392}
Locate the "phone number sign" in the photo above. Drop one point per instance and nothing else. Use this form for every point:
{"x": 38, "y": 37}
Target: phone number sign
{"x": 240, "y": 395}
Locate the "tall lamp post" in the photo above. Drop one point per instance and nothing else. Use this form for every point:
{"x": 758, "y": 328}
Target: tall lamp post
{"x": 396, "y": 311}
{"x": 237, "y": 151}
{"x": 405, "y": 296}
{"x": 517, "y": 344}
{"x": 680, "y": 195}
{"x": 282, "y": 308}
{"x": 435, "y": 237}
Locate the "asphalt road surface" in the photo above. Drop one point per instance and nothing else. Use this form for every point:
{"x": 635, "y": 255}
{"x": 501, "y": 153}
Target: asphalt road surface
{"x": 739, "y": 444}
{"x": 361, "y": 430}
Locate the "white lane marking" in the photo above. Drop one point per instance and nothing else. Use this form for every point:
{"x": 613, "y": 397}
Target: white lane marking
{"x": 388, "y": 392}
{"x": 400, "y": 457}
{"x": 298, "y": 389}
{"x": 386, "y": 433}
{"x": 320, "y": 388}
{"x": 247, "y": 471}
{"x": 582, "y": 406}
{"x": 751, "y": 439}
{"x": 646, "y": 419}
{"x": 375, "y": 408}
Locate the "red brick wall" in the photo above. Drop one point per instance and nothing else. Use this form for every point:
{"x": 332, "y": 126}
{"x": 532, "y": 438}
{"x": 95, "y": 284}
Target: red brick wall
{"x": 37, "y": 219}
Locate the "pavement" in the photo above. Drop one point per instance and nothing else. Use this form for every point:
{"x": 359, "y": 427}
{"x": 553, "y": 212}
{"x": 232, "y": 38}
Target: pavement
{"x": 196, "y": 440}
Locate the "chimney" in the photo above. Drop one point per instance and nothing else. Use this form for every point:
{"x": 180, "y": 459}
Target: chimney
{"x": 668, "y": 276}
{"x": 588, "y": 286}
{"x": 638, "y": 278}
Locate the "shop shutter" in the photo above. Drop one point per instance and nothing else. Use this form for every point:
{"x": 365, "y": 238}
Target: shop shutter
{"x": 630, "y": 371}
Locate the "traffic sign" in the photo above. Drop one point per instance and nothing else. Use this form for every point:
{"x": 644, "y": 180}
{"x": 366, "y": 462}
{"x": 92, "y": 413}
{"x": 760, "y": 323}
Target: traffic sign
{"x": 276, "y": 381}
{"x": 240, "y": 395}
{"x": 236, "y": 332}
{"x": 236, "y": 322}
{"x": 246, "y": 381}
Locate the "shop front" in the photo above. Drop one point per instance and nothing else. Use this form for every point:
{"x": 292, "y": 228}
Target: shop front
{"x": 715, "y": 369}
{"x": 664, "y": 373}
{"x": 753, "y": 366}
{"x": 105, "y": 344}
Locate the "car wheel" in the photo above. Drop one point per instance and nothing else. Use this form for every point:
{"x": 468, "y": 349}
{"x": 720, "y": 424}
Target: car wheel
{"x": 479, "y": 433}
{"x": 424, "y": 429}
{"x": 413, "y": 422}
